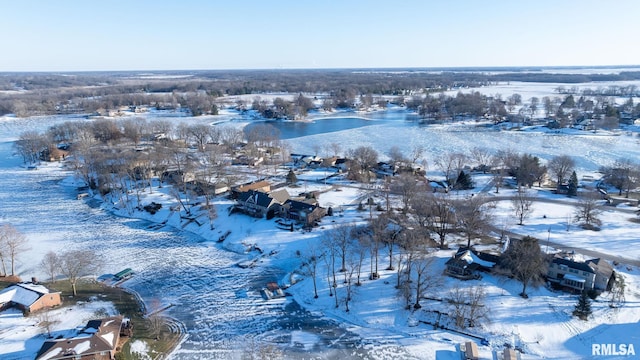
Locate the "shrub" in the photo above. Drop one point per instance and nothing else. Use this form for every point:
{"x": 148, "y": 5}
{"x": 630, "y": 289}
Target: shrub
{"x": 152, "y": 208}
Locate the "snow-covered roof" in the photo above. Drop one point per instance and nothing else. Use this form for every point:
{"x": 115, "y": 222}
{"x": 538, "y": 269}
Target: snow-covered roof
{"x": 100, "y": 335}
{"x": 34, "y": 287}
{"x": 23, "y": 293}
{"x": 470, "y": 258}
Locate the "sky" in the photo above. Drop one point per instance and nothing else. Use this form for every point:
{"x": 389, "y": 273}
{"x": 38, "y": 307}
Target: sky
{"x": 80, "y": 35}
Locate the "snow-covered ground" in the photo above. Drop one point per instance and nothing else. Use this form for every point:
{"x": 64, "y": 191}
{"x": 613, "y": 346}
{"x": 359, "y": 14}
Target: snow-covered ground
{"x": 219, "y": 304}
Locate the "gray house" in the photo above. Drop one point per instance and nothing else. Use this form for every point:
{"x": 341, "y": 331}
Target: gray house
{"x": 594, "y": 274}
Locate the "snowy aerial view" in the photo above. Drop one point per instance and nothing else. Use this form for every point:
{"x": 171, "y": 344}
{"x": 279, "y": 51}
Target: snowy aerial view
{"x": 232, "y": 283}
{"x": 333, "y": 180}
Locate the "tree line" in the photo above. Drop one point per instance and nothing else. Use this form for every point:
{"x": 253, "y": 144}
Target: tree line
{"x": 28, "y": 94}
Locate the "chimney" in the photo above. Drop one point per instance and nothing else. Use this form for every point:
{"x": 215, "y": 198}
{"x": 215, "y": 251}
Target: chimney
{"x": 34, "y": 280}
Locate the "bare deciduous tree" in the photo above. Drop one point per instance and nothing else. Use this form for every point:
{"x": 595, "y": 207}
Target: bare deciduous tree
{"x": 624, "y": 175}
{"x": 396, "y": 156}
{"x": 441, "y": 216}
{"x": 30, "y": 144}
{"x": 473, "y": 216}
{"x": 406, "y": 185}
{"x": 51, "y": 264}
{"x": 416, "y": 153}
{"x": 74, "y": 264}
{"x": 310, "y": 266}
{"x": 340, "y": 238}
{"x": 587, "y": 211}
{"x": 522, "y": 204}
{"x": 425, "y": 277}
{"x": 12, "y": 243}
{"x": 482, "y": 157}
{"x": 451, "y": 164}
{"x": 561, "y": 167}
{"x": 467, "y": 305}
{"x": 362, "y": 160}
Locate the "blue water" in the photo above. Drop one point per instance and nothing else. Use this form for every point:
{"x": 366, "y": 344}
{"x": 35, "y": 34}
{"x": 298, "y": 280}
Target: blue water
{"x": 295, "y": 129}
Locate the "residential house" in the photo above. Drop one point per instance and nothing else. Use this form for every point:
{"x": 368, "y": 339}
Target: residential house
{"x": 28, "y": 297}
{"x": 341, "y": 164}
{"x": 247, "y": 160}
{"x": 201, "y": 188}
{"x": 258, "y": 204}
{"x": 466, "y": 263}
{"x": 307, "y": 213}
{"x": 281, "y": 195}
{"x": 311, "y": 161}
{"x": 594, "y": 274}
{"x": 263, "y": 186}
{"x": 605, "y": 275}
{"x": 52, "y": 153}
{"x": 99, "y": 340}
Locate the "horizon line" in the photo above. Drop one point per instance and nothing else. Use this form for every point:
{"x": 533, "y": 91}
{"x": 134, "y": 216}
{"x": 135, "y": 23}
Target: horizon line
{"x": 406, "y": 68}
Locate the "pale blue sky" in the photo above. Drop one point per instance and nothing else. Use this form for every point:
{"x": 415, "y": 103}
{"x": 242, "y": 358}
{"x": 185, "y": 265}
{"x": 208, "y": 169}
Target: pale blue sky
{"x": 239, "y": 34}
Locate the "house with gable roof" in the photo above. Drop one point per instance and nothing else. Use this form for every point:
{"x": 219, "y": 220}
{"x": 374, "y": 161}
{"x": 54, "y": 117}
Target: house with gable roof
{"x": 257, "y": 204}
{"x": 99, "y": 339}
{"x": 594, "y": 274}
{"x": 467, "y": 262}
{"x": 28, "y": 297}
{"x": 307, "y": 213}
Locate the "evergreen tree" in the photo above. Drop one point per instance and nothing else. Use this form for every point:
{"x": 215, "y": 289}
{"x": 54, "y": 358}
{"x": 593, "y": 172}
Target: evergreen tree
{"x": 463, "y": 182}
{"x": 291, "y": 177}
{"x": 573, "y": 185}
{"x": 583, "y": 307}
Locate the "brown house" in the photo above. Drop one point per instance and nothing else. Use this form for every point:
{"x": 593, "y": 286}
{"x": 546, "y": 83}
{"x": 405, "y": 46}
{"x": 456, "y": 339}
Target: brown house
{"x": 303, "y": 212}
{"x": 262, "y": 186}
{"x": 98, "y": 340}
{"x": 28, "y": 297}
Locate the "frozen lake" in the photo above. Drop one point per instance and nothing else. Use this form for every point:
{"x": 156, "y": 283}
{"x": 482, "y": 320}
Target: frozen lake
{"x": 343, "y": 122}
{"x": 217, "y": 301}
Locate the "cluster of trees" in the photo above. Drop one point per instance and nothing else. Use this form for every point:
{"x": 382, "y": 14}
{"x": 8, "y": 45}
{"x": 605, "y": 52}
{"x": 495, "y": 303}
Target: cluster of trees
{"x": 462, "y": 105}
{"x": 199, "y": 91}
{"x": 123, "y": 158}
{"x": 72, "y": 264}
{"x": 283, "y": 109}
{"x": 623, "y": 174}
{"x": 12, "y": 243}
{"x": 346, "y": 248}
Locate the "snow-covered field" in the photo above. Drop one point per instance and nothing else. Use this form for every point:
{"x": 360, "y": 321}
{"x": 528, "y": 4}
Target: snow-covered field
{"x": 219, "y": 304}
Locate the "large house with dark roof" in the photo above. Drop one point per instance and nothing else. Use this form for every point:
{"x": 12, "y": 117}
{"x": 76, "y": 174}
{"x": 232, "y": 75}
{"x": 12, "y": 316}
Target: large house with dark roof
{"x": 98, "y": 340}
{"x": 278, "y": 203}
{"x": 594, "y": 274}
{"x": 304, "y": 212}
{"x": 257, "y": 203}
{"x": 28, "y": 297}
{"x": 467, "y": 262}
